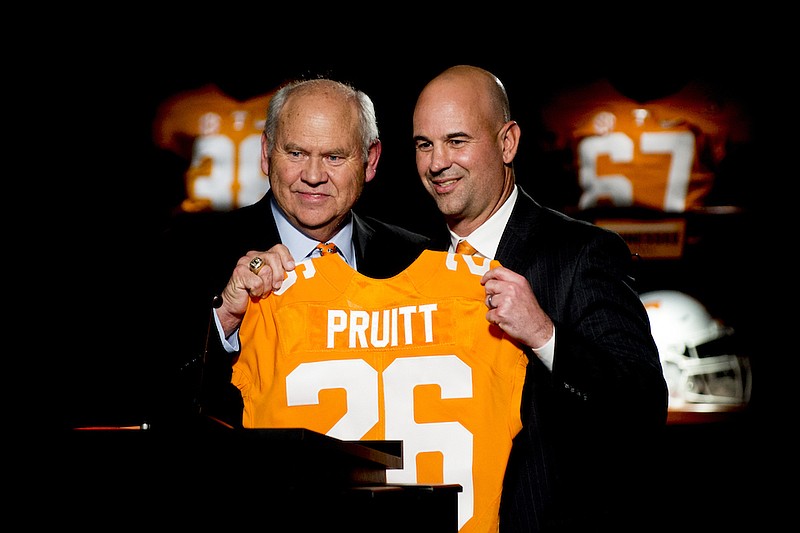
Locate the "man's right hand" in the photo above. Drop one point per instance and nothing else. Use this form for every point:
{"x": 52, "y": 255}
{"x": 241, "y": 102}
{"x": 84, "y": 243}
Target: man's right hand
{"x": 245, "y": 284}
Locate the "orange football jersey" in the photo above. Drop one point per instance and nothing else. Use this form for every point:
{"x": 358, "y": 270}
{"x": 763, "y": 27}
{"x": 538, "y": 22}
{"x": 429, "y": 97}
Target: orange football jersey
{"x": 220, "y": 138}
{"x": 663, "y": 154}
{"x": 408, "y": 358}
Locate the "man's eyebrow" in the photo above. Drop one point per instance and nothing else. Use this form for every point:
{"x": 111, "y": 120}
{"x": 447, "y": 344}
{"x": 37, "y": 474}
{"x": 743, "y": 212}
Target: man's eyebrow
{"x": 448, "y": 136}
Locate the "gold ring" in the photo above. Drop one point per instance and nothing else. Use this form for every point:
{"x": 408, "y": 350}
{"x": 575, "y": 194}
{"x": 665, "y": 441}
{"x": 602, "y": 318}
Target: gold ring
{"x": 256, "y": 264}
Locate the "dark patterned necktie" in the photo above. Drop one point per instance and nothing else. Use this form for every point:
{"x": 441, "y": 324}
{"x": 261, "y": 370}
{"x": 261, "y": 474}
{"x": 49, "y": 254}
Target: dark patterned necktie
{"x": 326, "y": 248}
{"x": 465, "y": 248}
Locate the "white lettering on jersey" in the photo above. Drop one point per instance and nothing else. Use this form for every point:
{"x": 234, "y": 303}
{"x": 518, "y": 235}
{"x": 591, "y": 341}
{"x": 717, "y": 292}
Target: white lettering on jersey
{"x": 384, "y": 326}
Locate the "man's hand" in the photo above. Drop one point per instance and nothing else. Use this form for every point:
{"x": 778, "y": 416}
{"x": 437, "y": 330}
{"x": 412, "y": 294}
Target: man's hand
{"x": 244, "y": 283}
{"x": 513, "y": 306}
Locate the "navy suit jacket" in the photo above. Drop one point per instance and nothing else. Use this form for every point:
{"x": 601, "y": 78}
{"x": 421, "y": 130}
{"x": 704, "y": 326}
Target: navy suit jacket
{"x": 583, "y": 458}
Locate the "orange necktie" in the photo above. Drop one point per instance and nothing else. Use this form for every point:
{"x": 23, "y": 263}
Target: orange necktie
{"x": 463, "y": 247}
{"x": 326, "y": 248}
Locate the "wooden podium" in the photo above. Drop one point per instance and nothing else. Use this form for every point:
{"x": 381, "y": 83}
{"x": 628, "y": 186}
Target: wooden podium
{"x": 273, "y": 479}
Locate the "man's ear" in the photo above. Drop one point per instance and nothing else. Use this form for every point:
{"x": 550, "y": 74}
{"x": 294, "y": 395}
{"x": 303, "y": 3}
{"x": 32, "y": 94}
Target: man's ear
{"x": 264, "y": 155}
{"x": 511, "y": 141}
{"x": 373, "y": 157}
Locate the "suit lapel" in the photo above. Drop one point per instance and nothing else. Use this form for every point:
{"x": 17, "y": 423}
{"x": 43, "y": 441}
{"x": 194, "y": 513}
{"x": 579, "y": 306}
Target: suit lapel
{"x": 362, "y": 234}
{"x": 517, "y": 246}
{"x": 255, "y": 228}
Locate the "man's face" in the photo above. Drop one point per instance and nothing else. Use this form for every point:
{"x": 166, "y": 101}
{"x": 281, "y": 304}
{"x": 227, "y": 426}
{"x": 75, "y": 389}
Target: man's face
{"x": 317, "y": 170}
{"x": 459, "y": 154}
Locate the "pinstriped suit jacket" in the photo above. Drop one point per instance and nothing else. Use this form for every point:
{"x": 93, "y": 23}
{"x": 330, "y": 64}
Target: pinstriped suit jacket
{"x": 590, "y": 425}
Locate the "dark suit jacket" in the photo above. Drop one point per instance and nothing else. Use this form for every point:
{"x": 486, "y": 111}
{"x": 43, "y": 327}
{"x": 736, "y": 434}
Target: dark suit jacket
{"x": 583, "y": 461}
{"x": 199, "y": 253}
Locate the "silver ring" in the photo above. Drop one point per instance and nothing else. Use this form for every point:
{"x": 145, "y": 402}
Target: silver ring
{"x": 490, "y": 301}
{"x": 256, "y": 264}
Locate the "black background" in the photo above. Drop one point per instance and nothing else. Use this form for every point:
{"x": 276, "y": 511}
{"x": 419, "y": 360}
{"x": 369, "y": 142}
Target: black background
{"x": 112, "y": 205}
{"x": 108, "y": 199}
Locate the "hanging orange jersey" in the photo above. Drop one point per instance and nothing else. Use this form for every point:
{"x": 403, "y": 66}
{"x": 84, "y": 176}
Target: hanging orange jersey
{"x": 408, "y": 358}
{"x": 662, "y": 155}
{"x": 220, "y": 138}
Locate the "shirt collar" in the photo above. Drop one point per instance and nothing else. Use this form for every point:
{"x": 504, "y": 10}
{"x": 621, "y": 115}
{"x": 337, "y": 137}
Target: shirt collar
{"x": 486, "y": 238}
{"x": 300, "y": 245}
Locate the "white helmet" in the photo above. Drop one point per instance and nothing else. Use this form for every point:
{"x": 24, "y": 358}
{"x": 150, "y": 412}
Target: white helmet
{"x": 696, "y": 351}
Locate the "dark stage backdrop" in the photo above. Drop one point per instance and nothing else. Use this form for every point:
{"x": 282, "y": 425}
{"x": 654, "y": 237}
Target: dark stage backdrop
{"x": 115, "y": 205}
{"x": 109, "y": 196}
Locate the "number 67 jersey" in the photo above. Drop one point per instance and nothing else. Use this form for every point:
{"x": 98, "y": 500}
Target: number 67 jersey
{"x": 408, "y": 358}
{"x": 665, "y": 154}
